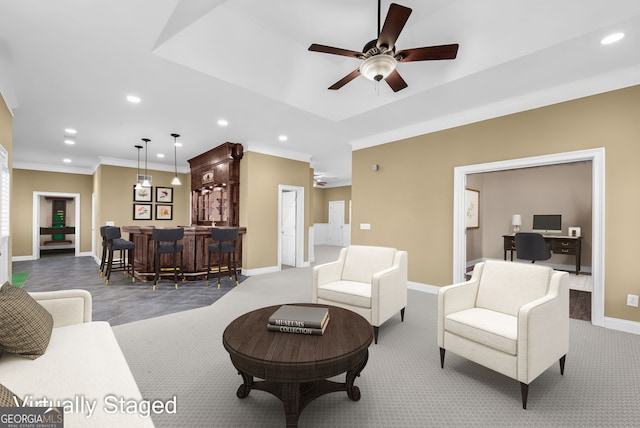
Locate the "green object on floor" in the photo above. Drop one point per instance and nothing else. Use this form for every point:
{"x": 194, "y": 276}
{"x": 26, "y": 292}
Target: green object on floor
{"x": 18, "y": 279}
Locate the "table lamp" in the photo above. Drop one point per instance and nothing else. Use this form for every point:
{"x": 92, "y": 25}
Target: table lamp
{"x": 516, "y": 221}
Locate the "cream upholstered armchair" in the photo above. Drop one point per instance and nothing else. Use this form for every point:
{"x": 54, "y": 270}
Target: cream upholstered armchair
{"x": 371, "y": 281}
{"x": 510, "y": 317}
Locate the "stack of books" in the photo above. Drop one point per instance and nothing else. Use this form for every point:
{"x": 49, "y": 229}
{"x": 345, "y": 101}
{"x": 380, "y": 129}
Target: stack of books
{"x": 299, "y": 319}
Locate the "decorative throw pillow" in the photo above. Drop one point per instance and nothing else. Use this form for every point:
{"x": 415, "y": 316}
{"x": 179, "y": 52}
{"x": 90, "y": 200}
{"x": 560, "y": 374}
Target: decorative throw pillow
{"x": 25, "y": 326}
{"x": 7, "y": 398}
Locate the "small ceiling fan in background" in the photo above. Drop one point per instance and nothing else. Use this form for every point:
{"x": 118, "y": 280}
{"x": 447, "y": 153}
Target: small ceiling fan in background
{"x": 380, "y": 57}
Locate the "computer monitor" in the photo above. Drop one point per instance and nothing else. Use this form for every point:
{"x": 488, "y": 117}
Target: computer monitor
{"x": 547, "y": 223}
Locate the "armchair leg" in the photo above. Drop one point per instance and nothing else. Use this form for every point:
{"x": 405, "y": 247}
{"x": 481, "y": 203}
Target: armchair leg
{"x": 524, "y": 389}
{"x": 562, "y": 360}
{"x": 375, "y": 334}
{"x": 402, "y": 314}
{"x": 442, "y": 351}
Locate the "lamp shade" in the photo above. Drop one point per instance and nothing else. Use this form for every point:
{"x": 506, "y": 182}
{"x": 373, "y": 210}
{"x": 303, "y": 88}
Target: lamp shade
{"x": 516, "y": 220}
{"x": 378, "y": 67}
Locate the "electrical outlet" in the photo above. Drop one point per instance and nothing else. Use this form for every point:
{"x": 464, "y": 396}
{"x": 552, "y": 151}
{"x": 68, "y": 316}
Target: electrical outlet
{"x": 632, "y": 300}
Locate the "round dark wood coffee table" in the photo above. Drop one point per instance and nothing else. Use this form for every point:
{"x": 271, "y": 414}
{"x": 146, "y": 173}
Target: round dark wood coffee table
{"x": 295, "y": 367}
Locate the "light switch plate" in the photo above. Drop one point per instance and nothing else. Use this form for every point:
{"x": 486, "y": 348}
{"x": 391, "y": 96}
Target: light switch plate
{"x": 365, "y": 226}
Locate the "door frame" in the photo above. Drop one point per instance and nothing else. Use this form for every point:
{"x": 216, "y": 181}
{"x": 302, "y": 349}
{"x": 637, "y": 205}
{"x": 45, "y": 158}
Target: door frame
{"x": 35, "y": 248}
{"x": 299, "y": 228}
{"x": 597, "y": 157}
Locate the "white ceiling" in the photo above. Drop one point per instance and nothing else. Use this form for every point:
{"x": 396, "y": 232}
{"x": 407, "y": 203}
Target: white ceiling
{"x": 71, "y": 63}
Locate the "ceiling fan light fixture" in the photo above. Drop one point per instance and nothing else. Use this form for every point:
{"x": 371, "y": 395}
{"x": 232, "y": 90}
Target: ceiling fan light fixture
{"x": 378, "y": 67}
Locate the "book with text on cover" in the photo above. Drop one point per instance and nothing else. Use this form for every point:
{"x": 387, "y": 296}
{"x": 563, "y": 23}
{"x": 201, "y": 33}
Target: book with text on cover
{"x": 299, "y": 330}
{"x": 300, "y": 316}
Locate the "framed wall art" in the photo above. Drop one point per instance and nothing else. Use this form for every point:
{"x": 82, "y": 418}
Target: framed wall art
{"x": 142, "y": 211}
{"x": 164, "y": 195}
{"x": 164, "y": 212}
{"x": 142, "y": 195}
{"x": 472, "y": 208}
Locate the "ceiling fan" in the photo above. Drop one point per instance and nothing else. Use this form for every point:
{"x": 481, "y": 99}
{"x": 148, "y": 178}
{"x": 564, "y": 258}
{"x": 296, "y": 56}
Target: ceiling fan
{"x": 380, "y": 57}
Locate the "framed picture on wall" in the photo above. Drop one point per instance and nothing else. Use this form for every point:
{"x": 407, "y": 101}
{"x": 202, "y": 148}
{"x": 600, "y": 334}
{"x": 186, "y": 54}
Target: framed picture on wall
{"x": 472, "y": 208}
{"x": 142, "y": 195}
{"x": 164, "y": 195}
{"x": 142, "y": 211}
{"x": 164, "y": 212}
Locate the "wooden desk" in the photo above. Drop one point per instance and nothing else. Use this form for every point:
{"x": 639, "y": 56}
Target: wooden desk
{"x": 295, "y": 367}
{"x": 196, "y": 242}
{"x": 568, "y": 245}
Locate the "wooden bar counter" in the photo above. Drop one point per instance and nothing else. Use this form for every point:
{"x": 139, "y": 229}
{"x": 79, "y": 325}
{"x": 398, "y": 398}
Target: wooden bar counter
{"x": 196, "y": 241}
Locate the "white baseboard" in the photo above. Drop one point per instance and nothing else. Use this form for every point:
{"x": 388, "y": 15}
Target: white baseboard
{"x": 425, "y": 288}
{"x": 622, "y": 325}
{"x": 22, "y": 258}
{"x": 260, "y": 271}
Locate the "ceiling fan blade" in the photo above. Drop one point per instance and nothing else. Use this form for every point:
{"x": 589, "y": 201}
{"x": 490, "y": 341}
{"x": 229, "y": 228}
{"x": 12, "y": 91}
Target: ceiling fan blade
{"x": 346, "y": 79}
{"x": 335, "y": 51}
{"x": 393, "y": 24}
{"x": 428, "y": 53}
{"x": 395, "y": 81}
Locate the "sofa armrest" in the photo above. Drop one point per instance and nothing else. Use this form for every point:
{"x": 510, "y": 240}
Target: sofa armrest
{"x": 543, "y": 329}
{"x": 66, "y": 306}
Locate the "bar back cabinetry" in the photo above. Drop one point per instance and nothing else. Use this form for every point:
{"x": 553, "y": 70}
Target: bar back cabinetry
{"x": 215, "y": 186}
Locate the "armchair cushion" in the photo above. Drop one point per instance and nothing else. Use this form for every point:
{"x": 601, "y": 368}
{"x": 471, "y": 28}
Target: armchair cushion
{"x": 348, "y": 292}
{"x": 505, "y": 287}
{"x": 494, "y": 329}
{"x": 362, "y": 262}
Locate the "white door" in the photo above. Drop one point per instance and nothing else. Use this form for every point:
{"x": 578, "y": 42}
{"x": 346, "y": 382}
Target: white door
{"x": 336, "y": 223}
{"x": 5, "y": 189}
{"x": 288, "y": 228}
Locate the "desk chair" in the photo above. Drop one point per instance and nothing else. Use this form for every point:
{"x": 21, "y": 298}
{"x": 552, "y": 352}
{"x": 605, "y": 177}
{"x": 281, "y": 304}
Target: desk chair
{"x": 224, "y": 242}
{"x": 166, "y": 242}
{"x": 531, "y": 246}
{"x": 114, "y": 242}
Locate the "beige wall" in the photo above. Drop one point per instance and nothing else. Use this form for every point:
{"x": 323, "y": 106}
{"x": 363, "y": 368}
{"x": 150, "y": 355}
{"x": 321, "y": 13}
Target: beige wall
{"x": 114, "y": 198}
{"x": 260, "y": 176}
{"x": 416, "y": 177}
{"x": 6, "y": 141}
{"x": 553, "y": 189}
{"x": 113, "y": 187}
{"x": 25, "y": 183}
{"x": 322, "y": 197}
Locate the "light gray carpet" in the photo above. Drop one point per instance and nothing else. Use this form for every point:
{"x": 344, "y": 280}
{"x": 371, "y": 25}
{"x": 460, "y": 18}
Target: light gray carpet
{"x": 402, "y": 385}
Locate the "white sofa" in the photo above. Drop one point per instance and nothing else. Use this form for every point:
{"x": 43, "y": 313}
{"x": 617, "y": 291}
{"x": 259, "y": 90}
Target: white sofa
{"x": 82, "y": 365}
{"x": 368, "y": 280}
{"x": 510, "y": 317}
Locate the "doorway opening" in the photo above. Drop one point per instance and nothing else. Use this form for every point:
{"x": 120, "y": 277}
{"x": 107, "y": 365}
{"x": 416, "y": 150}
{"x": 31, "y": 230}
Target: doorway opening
{"x": 290, "y": 226}
{"x": 51, "y": 211}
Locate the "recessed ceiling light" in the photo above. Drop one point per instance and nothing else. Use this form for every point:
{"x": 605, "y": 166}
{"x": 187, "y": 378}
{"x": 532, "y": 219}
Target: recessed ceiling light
{"x": 133, "y": 99}
{"x": 612, "y": 38}
{"x": 70, "y": 131}
{"x": 66, "y": 160}
{"x": 282, "y": 138}
{"x": 178, "y": 144}
{"x": 160, "y": 155}
{"x": 223, "y": 122}
{"x": 69, "y": 141}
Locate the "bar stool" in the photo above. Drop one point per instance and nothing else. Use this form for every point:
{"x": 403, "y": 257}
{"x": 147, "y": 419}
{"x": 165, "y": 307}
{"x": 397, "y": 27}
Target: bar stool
{"x": 116, "y": 243}
{"x": 103, "y": 260}
{"x": 166, "y": 242}
{"x": 224, "y": 243}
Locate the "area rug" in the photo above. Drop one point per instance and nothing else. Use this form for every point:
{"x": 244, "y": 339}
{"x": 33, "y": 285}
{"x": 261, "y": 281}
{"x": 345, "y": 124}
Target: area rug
{"x": 18, "y": 279}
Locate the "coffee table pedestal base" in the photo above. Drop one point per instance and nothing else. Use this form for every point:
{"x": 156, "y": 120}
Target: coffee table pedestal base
{"x": 296, "y": 396}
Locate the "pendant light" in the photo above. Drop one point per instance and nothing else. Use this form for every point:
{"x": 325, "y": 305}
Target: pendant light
{"x": 145, "y": 183}
{"x": 176, "y": 180}
{"x": 138, "y": 184}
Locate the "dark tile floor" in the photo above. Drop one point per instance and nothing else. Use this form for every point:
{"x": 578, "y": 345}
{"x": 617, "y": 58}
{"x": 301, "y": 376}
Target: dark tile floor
{"x": 121, "y": 301}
